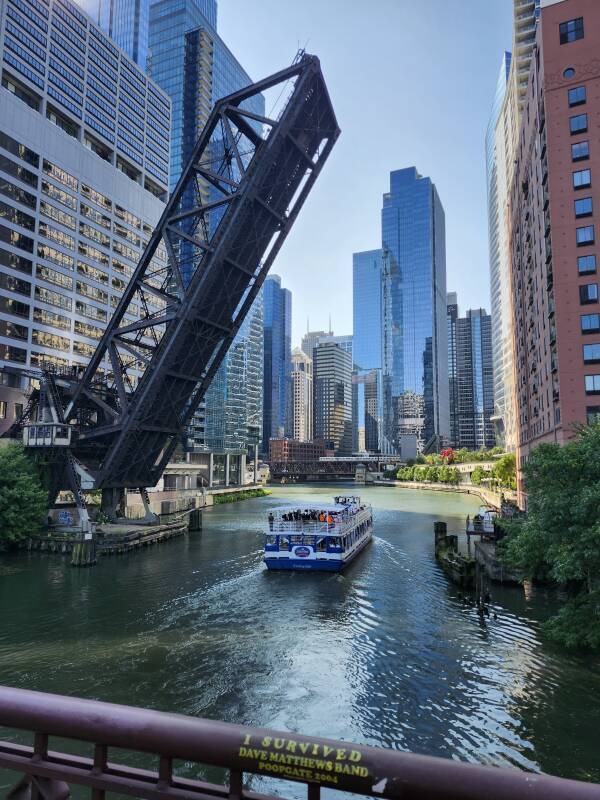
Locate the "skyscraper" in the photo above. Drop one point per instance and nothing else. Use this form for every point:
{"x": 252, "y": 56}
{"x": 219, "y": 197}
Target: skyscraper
{"x": 367, "y": 304}
{"x": 194, "y": 66}
{"x": 415, "y": 349}
{"x": 277, "y": 327}
{"x": 498, "y": 255}
{"x": 452, "y": 311}
{"x": 80, "y": 193}
{"x": 125, "y": 21}
{"x": 553, "y": 209}
{"x": 311, "y": 339}
{"x": 367, "y": 395}
{"x": 474, "y": 381}
{"x": 332, "y": 376}
{"x": 302, "y": 396}
{"x": 500, "y": 144}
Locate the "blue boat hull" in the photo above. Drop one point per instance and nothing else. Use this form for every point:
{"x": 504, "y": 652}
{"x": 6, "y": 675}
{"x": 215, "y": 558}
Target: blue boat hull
{"x": 322, "y": 565}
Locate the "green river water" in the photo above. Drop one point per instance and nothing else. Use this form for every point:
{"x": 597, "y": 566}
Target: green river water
{"x": 384, "y": 654}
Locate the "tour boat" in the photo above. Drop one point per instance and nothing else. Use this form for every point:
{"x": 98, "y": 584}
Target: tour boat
{"x": 323, "y": 538}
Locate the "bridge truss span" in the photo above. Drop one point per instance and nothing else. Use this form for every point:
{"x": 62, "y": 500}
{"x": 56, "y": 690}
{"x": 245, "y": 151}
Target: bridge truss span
{"x": 203, "y": 267}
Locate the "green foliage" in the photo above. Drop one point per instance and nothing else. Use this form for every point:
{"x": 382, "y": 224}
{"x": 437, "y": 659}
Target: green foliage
{"x": 560, "y": 538}
{"x": 504, "y": 471}
{"x": 233, "y": 497}
{"x": 577, "y": 623}
{"x": 464, "y": 456}
{"x": 427, "y": 474}
{"x": 478, "y": 475}
{"x": 23, "y": 500}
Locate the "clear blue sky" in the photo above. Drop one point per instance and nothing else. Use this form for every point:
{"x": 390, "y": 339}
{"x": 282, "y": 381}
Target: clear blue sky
{"x": 412, "y": 84}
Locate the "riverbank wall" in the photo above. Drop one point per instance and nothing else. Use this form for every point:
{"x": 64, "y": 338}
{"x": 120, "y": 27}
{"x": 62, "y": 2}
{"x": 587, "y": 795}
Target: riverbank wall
{"x": 489, "y": 498}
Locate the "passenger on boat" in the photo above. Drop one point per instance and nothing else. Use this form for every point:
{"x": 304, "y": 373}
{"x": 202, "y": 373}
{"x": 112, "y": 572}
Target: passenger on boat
{"x": 271, "y": 520}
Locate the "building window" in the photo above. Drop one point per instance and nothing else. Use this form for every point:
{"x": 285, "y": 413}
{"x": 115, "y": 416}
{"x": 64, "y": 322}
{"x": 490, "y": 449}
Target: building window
{"x": 592, "y": 384}
{"x": 593, "y": 414}
{"x": 577, "y": 96}
{"x": 582, "y": 178}
{"x": 585, "y": 236}
{"x": 578, "y": 124}
{"x": 571, "y": 30}
{"x": 588, "y": 293}
{"x": 569, "y": 73}
{"x": 583, "y": 207}
{"x": 591, "y": 353}
{"x": 2, "y": 409}
{"x": 580, "y": 151}
{"x": 18, "y": 410}
{"x": 586, "y": 264}
{"x": 590, "y": 323}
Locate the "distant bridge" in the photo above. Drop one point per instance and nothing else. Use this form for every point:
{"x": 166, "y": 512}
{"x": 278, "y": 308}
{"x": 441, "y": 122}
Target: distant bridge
{"x": 327, "y": 469}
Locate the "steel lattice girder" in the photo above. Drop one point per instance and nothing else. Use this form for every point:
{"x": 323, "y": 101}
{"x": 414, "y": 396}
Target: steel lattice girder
{"x": 199, "y": 275}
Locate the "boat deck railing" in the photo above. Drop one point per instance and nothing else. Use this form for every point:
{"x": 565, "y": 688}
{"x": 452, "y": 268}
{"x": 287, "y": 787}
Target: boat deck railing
{"x": 299, "y": 527}
{"x": 242, "y": 752}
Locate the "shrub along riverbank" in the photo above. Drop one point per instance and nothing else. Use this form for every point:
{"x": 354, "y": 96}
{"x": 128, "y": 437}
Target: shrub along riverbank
{"x": 233, "y": 497}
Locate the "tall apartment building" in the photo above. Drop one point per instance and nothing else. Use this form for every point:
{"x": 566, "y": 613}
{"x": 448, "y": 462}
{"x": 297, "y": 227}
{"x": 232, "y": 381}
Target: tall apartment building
{"x": 500, "y": 144}
{"x": 277, "y": 331}
{"x": 83, "y": 177}
{"x": 554, "y": 205}
{"x": 302, "y": 396}
{"x": 332, "y": 377}
{"x": 415, "y": 349}
{"x": 452, "y": 314}
{"x": 194, "y": 66}
{"x": 474, "y": 381}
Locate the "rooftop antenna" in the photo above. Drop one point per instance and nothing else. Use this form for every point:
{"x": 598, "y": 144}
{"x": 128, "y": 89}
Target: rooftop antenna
{"x": 330, "y": 331}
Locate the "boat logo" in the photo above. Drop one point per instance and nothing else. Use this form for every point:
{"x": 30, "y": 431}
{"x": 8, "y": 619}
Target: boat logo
{"x": 302, "y": 552}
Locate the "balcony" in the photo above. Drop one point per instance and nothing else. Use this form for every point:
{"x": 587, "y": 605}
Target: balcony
{"x": 241, "y": 751}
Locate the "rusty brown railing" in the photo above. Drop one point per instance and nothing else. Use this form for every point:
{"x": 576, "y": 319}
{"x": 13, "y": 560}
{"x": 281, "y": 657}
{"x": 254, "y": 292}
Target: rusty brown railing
{"x": 318, "y": 763}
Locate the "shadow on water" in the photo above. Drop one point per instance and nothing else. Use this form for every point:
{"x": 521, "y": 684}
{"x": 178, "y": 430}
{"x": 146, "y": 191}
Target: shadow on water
{"x": 384, "y": 654}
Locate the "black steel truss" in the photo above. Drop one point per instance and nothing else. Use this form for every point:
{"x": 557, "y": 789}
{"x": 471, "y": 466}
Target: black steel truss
{"x": 235, "y": 203}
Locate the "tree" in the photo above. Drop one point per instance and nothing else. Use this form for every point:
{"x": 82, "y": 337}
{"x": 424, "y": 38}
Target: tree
{"x": 560, "y": 538}
{"x": 23, "y": 500}
{"x": 505, "y": 471}
{"x": 477, "y": 476}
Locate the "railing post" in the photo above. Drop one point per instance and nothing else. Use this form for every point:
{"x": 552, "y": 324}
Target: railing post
{"x": 236, "y": 778}
{"x": 165, "y": 772}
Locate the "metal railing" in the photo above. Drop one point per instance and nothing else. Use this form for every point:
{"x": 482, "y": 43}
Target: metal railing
{"x": 298, "y": 527}
{"x": 317, "y": 763}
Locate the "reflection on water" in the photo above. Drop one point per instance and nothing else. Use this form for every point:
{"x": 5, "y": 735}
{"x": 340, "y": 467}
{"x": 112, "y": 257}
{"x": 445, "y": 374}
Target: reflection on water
{"x": 383, "y": 654}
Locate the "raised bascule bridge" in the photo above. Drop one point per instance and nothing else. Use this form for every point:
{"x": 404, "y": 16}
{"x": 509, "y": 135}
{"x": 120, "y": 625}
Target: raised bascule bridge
{"x": 116, "y": 425}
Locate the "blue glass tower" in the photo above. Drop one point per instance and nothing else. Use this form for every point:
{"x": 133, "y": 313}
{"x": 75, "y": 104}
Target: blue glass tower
{"x": 277, "y": 360}
{"x": 194, "y": 66}
{"x": 415, "y": 349}
{"x": 367, "y": 296}
{"x": 125, "y": 21}
{"x": 367, "y": 396}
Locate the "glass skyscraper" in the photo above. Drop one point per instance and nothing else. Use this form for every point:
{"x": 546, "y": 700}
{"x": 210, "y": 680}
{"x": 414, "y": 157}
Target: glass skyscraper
{"x": 277, "y": 360}
{"x": 367, "y": 297}
{"x": 367, "y": 396}
{"x": 415, "y": 349}
{"x": 194, "y": 66}
{"x": 125, "y": 21}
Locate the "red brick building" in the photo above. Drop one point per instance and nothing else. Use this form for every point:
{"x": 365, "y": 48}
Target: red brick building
{"x": 294, "y": 450}
{"x": 554, "y": 222}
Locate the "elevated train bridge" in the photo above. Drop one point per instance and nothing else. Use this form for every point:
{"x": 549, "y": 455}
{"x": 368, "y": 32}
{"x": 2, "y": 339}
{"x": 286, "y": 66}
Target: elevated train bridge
{"x": 329, "y": 469}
